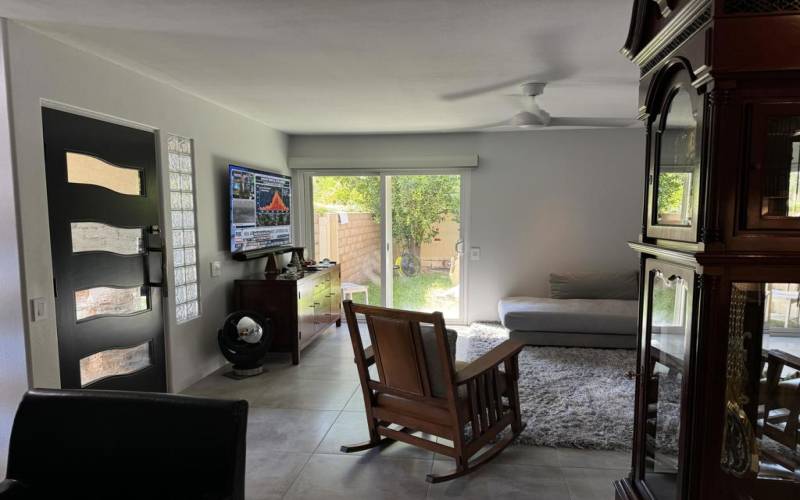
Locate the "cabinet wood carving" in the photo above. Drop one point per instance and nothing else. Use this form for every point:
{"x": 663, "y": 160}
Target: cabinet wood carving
{"x": 300, "y": 309}
{"x": 718, "y": 381}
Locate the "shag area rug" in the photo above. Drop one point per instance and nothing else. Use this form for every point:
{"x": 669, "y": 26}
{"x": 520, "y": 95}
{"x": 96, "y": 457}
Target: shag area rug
{"x": 569, "y": 397}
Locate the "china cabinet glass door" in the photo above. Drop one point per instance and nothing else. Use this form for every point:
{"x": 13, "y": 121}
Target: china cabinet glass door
{"x": 761, "y": 435}
{"x": 665, "y": 358}
{"x": 774, "y": 175}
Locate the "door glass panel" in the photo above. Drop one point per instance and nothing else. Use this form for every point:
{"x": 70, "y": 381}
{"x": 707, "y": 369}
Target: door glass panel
{"x": 113, "y": 362}
{"x": 668, "y": 327}
{"x": 677, "y": 163}
{"x": 426, "y": 232}
{"x": 110, "y": 301}
{"x": 347, "y": 230}
{"x": 85, "y": 169}
{"x": 97, "y": 237}
{"x": 780, "y": 194}
{"x": 761, "y": 440}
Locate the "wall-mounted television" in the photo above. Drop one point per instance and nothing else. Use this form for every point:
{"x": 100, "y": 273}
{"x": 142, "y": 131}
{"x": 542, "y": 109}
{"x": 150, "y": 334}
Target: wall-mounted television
{"x": 260, "y": 210}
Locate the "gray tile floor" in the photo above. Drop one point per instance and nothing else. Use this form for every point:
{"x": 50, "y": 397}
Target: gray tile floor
{"x": 301, "y": 415}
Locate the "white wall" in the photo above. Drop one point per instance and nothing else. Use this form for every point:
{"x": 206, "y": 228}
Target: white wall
{"x": 541, "y": 201}
{"x": 13, "y": 360}
{"x": 41, "y": 68}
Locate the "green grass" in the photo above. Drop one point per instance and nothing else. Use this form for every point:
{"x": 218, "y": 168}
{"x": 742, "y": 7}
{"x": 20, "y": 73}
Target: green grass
{"x": 420, "y": 293}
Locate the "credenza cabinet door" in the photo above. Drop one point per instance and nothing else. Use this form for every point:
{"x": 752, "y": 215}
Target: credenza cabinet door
{"x": 306, "y": 324}
{"x": 664, "y": 370}
{"x": 336, "y": 293}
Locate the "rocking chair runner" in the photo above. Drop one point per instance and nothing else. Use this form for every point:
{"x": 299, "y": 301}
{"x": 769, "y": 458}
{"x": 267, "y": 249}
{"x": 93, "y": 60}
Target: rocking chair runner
{"x": 480, "y": 396}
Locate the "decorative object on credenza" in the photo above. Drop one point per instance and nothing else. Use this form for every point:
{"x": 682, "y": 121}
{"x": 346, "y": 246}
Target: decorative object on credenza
{"x": 297, "y": 258}
{"x": 271, "y": 266}
{"x": 291, "y": 272}
{"x": 244, "y": 340}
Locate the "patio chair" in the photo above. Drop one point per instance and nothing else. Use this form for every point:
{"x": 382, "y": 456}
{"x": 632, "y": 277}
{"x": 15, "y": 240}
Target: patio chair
{"x": 421, "y": 388}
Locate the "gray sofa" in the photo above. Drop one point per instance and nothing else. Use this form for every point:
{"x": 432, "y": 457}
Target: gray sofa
{"x": 583, "y": 310}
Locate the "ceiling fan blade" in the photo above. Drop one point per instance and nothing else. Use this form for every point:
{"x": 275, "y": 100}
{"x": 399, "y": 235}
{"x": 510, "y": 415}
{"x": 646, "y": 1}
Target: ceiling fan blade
{"x": 465, "y": 94}
{"x": 577, "y": 121}
{"x": 554, "y": 63}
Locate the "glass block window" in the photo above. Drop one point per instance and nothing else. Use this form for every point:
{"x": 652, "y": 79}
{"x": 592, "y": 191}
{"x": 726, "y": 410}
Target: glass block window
{"x": 184, "y": 232}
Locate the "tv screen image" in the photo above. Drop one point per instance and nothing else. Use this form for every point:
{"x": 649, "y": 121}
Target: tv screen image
{"x": 260, "y": 209}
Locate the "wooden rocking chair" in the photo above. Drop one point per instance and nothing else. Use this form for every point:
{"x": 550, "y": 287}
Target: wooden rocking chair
{"x": 479, "y": 397}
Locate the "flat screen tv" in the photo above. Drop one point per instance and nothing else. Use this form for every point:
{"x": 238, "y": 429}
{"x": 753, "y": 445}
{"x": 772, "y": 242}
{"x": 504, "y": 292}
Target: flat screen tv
{"x": 260, "y": 210}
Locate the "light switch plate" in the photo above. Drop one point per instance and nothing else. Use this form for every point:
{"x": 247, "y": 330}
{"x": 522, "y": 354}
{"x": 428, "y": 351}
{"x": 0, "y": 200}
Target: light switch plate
{"x": 38, "y": 309}
{"x": 475, "y": 253}
{"x": 216, "y": 269}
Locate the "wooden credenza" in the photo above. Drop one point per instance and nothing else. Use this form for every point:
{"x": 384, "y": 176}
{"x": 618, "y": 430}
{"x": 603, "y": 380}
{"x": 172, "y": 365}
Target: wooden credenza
{"x": 300, "y": 309}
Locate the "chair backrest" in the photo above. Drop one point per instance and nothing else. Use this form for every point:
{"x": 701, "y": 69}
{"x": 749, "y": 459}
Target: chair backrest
{"x": 108, "y": 444}
{"x": 400, "y": 355}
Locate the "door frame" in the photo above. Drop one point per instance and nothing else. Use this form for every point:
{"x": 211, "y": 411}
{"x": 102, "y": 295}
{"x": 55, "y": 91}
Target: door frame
{"x": 304, "y": 229}
{"x": 163, "y": 205}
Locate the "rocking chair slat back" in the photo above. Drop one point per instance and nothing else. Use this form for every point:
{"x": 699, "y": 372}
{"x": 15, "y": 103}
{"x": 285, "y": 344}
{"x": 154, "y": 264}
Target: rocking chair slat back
{"x": 399, "y": 355}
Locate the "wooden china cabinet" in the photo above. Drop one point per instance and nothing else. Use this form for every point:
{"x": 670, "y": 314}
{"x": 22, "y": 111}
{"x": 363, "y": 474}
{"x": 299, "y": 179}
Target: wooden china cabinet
{"x": 718, "y": 373}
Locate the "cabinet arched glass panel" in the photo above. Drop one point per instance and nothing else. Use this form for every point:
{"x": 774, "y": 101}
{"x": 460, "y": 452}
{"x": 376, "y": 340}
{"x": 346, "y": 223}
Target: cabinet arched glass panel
{"x": 675, "y": 172}
{"x": 677, "y": 162}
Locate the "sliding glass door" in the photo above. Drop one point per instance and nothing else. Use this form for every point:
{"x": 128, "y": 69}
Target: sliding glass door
{"x": 426, "y": 243}
{"x": 347, "y": 230}
{"x": 398, "y": 237}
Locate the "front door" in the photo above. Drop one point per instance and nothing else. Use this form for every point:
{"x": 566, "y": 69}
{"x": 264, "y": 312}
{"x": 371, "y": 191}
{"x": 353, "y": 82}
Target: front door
{"x": 102, "y": 193}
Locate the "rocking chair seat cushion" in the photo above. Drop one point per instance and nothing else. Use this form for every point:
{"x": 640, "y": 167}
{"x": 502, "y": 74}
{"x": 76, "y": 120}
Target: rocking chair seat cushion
{"x": 431, "y": 350}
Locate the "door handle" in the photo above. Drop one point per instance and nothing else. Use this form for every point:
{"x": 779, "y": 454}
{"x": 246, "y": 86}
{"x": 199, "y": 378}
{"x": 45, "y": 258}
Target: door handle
{"x": 153, "y": 235}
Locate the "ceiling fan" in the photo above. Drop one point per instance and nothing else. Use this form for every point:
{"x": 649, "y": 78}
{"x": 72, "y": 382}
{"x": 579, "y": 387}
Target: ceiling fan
{"x": 533, "y": 116}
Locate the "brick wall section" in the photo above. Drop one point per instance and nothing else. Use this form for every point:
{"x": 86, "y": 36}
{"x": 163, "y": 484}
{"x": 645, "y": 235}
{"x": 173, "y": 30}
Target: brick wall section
{"x": 359, "y": 248}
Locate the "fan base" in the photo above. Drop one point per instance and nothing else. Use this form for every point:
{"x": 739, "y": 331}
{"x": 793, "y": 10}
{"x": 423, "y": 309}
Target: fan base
{"x": 242, "y": 373}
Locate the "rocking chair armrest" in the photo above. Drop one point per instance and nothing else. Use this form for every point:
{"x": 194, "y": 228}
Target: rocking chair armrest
{"x": 785, "y": 357}
{"x": 505, "y": 351}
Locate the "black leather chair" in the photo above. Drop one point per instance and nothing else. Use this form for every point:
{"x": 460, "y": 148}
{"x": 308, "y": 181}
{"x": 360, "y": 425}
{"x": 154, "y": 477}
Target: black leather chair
{"x": 126, "y": 445}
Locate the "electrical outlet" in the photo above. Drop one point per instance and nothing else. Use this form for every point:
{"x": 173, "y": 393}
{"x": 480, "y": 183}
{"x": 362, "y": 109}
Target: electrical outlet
{"x": 216, "y": 269}
{"x": 38, "y": 309}
{"x": 475, "y": 253}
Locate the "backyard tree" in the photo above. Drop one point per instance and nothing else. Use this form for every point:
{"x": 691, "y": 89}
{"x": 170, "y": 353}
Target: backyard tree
{"x": 671, "y": 192}
{"x": 419, "y": 202}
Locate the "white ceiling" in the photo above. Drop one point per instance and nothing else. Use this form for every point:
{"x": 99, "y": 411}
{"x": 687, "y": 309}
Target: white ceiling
{"x": 361, "y": 66}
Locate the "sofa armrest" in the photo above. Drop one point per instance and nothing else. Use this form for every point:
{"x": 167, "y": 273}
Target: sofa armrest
{"x": 508, "y": 350}
{"x": 11, "y": 489}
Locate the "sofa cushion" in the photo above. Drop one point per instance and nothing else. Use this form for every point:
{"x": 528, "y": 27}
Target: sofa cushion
{"x": 569, "y": 315}
{"x": 570, "y": 339}
{"x": 431, "y": 350}
{"x": 619, "y": 286}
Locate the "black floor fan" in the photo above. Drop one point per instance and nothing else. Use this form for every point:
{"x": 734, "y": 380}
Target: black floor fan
{"x": 244, "y": 339}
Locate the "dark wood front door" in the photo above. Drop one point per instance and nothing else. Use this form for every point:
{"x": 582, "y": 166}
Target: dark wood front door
{"x": 102, "y": 193}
